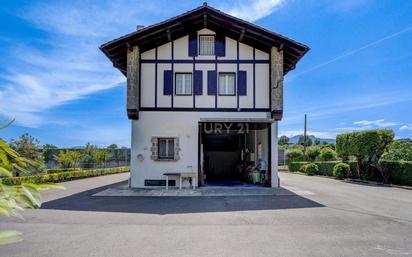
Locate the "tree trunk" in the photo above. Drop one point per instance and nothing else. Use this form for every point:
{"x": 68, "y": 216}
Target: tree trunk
{"x": 359, "y": 166}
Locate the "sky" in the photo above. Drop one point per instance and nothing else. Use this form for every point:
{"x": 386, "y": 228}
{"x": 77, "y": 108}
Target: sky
{"x": 61, "y": 89}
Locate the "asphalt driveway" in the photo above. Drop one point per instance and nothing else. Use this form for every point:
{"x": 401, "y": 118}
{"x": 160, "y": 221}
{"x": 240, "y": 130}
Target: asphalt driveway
{"x": 321, "y": 217}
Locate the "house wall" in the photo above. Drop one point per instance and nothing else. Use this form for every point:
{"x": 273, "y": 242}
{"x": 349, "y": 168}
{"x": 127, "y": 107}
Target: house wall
{"x": 178, "y": 116}
{"x": 183, "y": 125}
{"x": 174, "y": 56}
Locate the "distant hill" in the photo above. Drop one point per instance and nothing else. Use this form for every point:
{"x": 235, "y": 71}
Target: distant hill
{"x": 295, "y": 139}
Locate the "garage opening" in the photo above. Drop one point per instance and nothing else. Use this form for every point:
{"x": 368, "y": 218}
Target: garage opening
{"x": 234, "y": 153}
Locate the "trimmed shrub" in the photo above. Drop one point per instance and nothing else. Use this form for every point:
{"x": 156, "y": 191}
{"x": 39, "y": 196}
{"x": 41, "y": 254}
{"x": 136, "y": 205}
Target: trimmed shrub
{"x": 58, "y": 170}
{"x": 63, "y": 176}
{"x": 295, "y": 166}
{"x": 327, "y": 154}
{"x": 341, "y": 170}
{"x": 311, "y": 169}
{"x": 400, "y": 171}
{"x": 326, "y": 168}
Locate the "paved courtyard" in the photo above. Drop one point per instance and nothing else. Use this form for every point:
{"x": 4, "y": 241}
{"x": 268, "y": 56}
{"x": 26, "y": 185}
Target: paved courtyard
{"x": 316, "y": 217}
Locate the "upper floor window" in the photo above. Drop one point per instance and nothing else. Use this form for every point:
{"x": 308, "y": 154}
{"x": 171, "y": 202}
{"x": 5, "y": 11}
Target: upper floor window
{"x": 206, "y": 45}
{"x": 183, "y": 84}
{"x": 226, "y": 83}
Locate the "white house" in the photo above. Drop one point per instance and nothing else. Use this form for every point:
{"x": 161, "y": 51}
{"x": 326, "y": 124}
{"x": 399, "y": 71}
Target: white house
{"x": 204, "y": 95}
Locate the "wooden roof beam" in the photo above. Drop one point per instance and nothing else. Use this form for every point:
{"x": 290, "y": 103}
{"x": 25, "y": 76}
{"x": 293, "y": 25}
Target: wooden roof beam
{"x": 242, "y": 34}
{"x": 205, "y": 20}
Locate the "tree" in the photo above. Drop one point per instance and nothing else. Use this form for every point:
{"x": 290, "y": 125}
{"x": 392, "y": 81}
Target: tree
{"x": 317, "y": 142}
{"x": 327, "y": 154}
{"x": 313, "y": 152}
{"x": 368, "y": 147}
{"x": 283, "y": 140}
{"x": 14, "y": 198}
{"x": 48, "y": 152}
{"x": 112, "y": 147}
{"x": 87, "y": 155}
{"x": 398, "y": 151}
{"x": 101, "y": 156}
{"x": 68, "y": 158}
{"x": 28, "y": 147}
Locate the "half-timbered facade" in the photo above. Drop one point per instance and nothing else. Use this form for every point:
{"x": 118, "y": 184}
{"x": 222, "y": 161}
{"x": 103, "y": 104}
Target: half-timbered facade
{"x": 205, "y": 95}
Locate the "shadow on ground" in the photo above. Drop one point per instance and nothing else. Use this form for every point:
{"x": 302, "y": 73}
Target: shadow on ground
{"x": 84, "y": 201}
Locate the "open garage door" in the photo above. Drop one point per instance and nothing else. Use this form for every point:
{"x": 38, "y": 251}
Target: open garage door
{"x": 234, "y": 152}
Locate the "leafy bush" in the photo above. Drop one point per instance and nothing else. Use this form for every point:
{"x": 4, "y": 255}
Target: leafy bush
{"x": 311, "y": 169}
{"x": 327, "y": 154}
{"x": 294, "y": 154}
{"x": 313, "y": 152}
{"x": 398, "y": 151}
{"x": 295, "y": 166}
{"x": 13, "y": 199}
{"x": 341, "y": 170}
{"x": 63, "y": 176}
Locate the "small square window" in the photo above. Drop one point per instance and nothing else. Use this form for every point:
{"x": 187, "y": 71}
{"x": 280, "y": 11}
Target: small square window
{"x": 166, "y": 148}
{"x": 206, "y": 45}
{"x": 226, "y": 83}
{"x": 183, "y": 84}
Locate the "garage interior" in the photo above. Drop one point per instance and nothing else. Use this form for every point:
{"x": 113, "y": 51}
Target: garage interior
{"x": 234, "y": 153}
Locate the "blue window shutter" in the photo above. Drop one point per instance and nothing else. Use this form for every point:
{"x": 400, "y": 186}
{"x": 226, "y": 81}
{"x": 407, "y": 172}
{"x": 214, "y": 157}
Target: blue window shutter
{"x": 211, "y": 82}
{"x": 220, "y": 42}
{"x": 198, "y": 82}
{"x": 193, "y": 44}
{"x": 168, "y": 82}
{"x": 241, "y": 82}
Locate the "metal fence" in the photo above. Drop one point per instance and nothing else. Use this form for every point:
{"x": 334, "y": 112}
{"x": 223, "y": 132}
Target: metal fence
{"x": 118, "y": 157}
{"x": 282, "y": 158}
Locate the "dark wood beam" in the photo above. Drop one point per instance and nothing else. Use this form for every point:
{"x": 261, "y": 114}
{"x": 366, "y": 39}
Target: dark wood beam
{"x": 280, "y": 47}
{"x": 242, "y": 33}
{"x": 205, "y": 20}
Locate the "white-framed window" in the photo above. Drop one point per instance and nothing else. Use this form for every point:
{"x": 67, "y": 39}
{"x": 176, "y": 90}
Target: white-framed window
{"x": 206, "y": 45}
{"x": 166, "y": 148}
{"x": 183, "y": 84}
{"x": 226, "y": 83}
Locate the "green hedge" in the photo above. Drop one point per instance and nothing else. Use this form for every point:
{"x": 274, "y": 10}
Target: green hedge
{"x": 400, "y": 171}
{"x": 63, "y": 176}
{"x": 295, "y": 166}
{"x": 325, "y": 168}
{"x": 58, "y": 170}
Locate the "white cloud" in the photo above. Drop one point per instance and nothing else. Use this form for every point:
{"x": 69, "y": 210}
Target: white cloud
{"x": 377, "y": 123}
{"x": 255, "y": 9}
{"x": 406, "y": 127}
{"x": 345, "y": 105}
{"x": 66, "y": 65}
{"x": 316, "y": 133}
{"x": 368, "y": 124}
